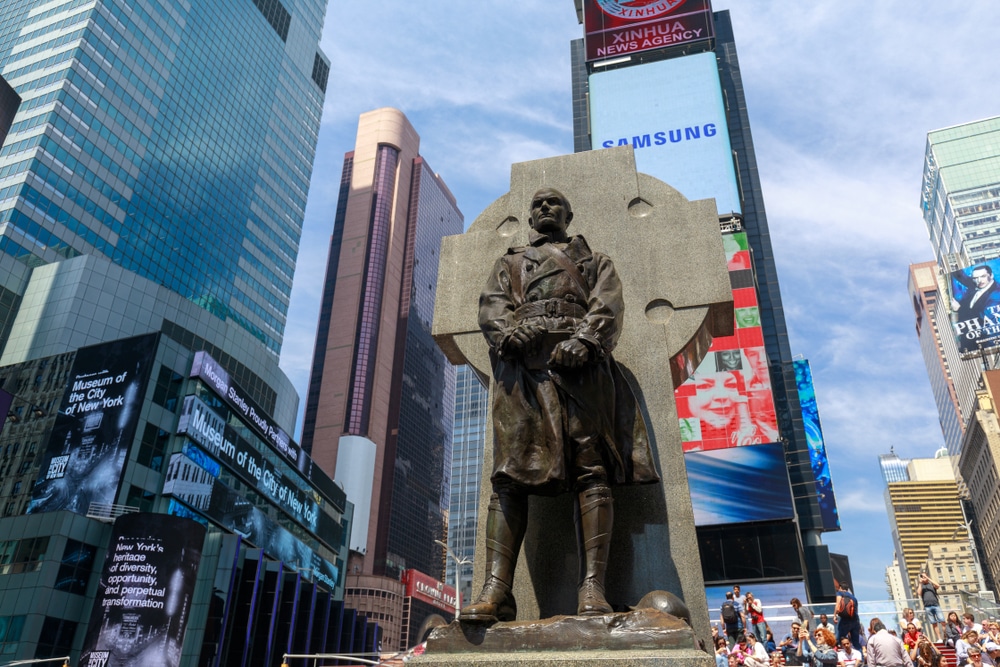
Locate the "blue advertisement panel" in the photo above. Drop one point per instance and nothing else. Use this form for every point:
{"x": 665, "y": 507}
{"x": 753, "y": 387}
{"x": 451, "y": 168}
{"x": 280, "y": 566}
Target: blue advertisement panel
{"x": 721, "y": 482}
{"x": 817, "y": 448}
{"x": 144, "y": 599}
{"x": 975, "y": 307}
{"x": 774, "y": 598}
{"x": 197, "y": 487}
{"x": 672, "y": 113}
{"x": 93, "y": 431}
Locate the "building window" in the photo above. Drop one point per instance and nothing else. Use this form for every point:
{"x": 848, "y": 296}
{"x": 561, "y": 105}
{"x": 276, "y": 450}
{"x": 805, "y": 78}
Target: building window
{"x": 56, "y": 638}
{"x": 10, "y": 635}
{"x": 74, "y": 571}
{"x": 17, "y": 556}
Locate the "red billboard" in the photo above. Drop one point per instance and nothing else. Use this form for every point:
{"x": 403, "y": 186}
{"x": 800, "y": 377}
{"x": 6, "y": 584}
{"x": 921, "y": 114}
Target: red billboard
{"x": 425, "y": 587}
{"x": 614, "y": 28}
{"x": 727, "y": 401}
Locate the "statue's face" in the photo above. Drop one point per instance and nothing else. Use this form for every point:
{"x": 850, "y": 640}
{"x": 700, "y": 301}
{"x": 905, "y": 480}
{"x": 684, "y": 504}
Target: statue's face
{"x": 549, "y": 212}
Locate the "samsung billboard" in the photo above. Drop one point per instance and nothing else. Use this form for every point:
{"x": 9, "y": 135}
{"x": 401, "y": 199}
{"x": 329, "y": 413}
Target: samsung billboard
{"x": 672, "y": 113}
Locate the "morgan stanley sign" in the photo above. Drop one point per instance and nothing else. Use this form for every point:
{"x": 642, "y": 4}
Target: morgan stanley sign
{"x": 615, "y": 28}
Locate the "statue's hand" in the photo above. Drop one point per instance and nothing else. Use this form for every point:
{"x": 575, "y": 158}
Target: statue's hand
{"x": 524, "y": 339}
{"x": 570, "y": 353}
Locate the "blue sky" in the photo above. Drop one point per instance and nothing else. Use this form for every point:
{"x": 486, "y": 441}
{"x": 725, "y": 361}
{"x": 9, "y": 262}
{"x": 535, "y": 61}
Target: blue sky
{"x": 840, "y": 94}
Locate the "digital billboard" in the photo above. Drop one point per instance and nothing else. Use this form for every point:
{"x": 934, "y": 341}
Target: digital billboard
{"x": 197, "y": 487}
{"x": 739, "y": 485}
{"x": 93, "y": 431}
{"x": 727, "y": 401}
{"x": 673, "y": 114}
{"x": 975, "y": 307}
{"x": 203, "y": 426}
{"x": 773, "y": 596}
{"x": 817, "y": 448}
{"x": 143, "y": 601}
{"x": 614, "y": 28}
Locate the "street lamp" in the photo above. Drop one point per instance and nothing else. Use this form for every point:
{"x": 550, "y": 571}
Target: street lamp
{"x": 459, "y": 562}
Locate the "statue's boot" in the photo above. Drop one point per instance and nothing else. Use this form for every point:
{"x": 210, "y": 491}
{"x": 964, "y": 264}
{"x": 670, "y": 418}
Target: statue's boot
{"x": 505, "y": 526}
{"x": 594, "y": 517}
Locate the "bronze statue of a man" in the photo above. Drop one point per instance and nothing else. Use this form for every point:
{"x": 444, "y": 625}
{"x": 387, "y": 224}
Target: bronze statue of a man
{"x": 564, "y": 418}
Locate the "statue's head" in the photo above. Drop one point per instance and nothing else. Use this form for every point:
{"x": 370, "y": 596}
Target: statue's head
{"x": 550, "y": 212}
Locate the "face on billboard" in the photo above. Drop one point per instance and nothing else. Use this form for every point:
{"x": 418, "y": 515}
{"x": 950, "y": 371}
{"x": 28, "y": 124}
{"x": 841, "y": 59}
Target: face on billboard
{"x": 975, "y": 307}
{"x": 672, "y": 113}
{"x": 727, "y": 402}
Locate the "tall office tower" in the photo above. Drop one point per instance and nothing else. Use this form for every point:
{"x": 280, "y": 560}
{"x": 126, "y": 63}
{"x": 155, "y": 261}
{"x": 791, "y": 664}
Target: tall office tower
{"x": 979, "y": 469}
{"x": 468, "y": 444}
{"x": 666, "y": 80}
{"x": 9, "y": 103}
{"x": 925, "y": 510}
{"x": 175, "y": 138}
{"x": 894, "y": 469}
{"x": 894, "y": 584}
{"x": 945, "y": 370}
{"x": 381, "y": 394}
{"x": 960, "y": 195}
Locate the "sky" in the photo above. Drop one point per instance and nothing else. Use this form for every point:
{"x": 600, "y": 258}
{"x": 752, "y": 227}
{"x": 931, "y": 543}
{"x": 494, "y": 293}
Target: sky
{"x": 840, "y": 95}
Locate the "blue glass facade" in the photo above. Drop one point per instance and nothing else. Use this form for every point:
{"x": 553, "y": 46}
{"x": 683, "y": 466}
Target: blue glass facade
{"x": 175, "y": 138}
{"x": 468, "y": 445}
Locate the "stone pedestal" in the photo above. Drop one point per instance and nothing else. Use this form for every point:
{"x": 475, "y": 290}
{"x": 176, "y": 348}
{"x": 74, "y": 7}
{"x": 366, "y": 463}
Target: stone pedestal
{"x": 646, "y": 638}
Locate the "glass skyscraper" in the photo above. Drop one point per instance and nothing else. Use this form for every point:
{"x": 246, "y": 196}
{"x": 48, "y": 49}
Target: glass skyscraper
{"x": 468, "y": 444}
{"x": 175, "y": 138}
{"x": 960, "y": 194}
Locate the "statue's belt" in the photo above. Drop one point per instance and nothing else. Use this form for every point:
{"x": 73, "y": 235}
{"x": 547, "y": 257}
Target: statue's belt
{"x": 549, "y": 308}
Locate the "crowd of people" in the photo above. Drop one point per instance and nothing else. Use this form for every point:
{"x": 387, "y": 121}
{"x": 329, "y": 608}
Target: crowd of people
{"x": 743, "y": 637}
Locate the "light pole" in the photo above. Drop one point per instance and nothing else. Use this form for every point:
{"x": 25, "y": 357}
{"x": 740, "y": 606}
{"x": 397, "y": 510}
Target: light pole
{"x": 459, "y": 562}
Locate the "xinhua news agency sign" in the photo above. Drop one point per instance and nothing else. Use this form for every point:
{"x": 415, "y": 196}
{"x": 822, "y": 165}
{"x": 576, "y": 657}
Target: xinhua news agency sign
{"x": 615, "y": 28}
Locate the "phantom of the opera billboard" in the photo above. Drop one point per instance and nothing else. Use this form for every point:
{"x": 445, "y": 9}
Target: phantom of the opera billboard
{"x": 144, "y": 599}
{"x": 93, "y": 431}
{"x": 673, "y": 115}
{"x": 727, "y": 402}
{"x": 975, "y": 307}
{"x": 615, "y": 28}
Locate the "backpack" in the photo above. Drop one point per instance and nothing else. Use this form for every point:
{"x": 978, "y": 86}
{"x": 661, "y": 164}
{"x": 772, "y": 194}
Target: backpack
{"x": 847, "y": 607}
{"x": 729, "y": 613}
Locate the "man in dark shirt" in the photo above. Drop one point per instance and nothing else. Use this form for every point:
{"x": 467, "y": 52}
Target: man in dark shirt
{"x": 846, "y": 615}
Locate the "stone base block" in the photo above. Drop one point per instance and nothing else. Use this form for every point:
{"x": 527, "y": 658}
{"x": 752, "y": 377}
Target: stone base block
{"x": 671, "y": 658}
{"x": 645, "y": 637}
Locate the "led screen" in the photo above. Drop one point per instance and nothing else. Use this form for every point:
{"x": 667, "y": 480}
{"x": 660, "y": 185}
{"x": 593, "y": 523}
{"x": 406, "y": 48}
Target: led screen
{"x": 817, "y": 448}
{"x": 198, "y": 488}
{"x": 975, "y": 307}
{"x": 739, "y": 485}
{"x": 614, "y": 28}
{"x": 727, "y": 402}
{"x": 95, "y": 426}
{"x": 672, "y": 113}
{"x": 774, "y": 598}
{"x": 143, "y": 602}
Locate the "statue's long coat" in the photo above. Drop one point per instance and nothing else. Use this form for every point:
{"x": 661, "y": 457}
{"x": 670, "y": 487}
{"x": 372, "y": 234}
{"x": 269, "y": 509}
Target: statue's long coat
{"x": 535, "y": 404}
